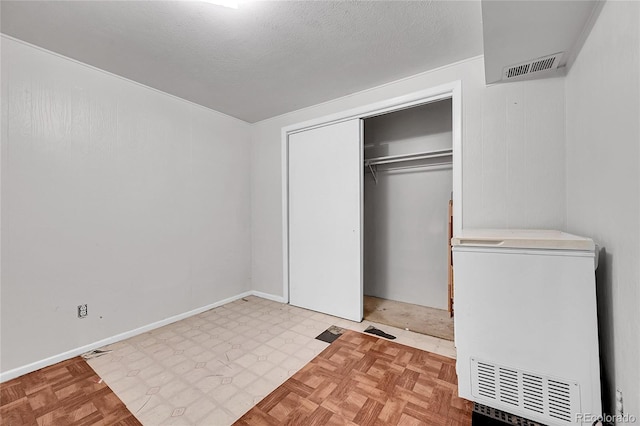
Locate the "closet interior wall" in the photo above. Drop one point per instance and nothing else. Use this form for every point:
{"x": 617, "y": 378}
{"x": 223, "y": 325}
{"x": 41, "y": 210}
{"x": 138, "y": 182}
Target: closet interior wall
{"x": 406, "y": 210}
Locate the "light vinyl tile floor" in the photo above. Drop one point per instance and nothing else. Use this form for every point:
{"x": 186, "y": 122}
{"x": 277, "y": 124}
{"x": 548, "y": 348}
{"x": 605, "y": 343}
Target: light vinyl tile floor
{"x": 211, "y": 368}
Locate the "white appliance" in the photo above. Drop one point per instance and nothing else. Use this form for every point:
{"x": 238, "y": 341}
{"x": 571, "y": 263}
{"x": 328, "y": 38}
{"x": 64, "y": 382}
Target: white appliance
{"x": 526, "y": 323}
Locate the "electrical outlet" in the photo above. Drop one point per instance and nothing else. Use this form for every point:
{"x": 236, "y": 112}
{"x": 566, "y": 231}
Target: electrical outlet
{"x": 82, "y": 311}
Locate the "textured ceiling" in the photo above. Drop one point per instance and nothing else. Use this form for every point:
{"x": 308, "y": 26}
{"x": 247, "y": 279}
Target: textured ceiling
{"x": 261, "y": 60}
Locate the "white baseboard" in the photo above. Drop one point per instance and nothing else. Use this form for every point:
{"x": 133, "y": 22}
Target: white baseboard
{"x": 269, "y": 296}
{"x": 19, "y": 371}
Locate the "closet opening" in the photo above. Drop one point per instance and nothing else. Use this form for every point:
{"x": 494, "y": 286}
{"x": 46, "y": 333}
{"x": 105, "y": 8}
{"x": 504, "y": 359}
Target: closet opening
{"x": 408, "y": 188}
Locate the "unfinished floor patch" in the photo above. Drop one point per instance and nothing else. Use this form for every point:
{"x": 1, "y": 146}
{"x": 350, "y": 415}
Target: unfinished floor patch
{"x": 416, "y": 318}
{"x": 330, "y": 334}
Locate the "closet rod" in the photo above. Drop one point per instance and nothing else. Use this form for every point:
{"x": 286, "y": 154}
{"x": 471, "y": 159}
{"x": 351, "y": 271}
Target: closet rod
{"x": 418, "y": 166}
{"x": 408, "y": 157}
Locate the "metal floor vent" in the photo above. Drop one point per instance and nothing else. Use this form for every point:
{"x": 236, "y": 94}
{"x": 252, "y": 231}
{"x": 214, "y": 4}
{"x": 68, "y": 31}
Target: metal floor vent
{"x": 536, "y": 394}
{"x": 536, "y": 65}
{"x": 503, "y": 416}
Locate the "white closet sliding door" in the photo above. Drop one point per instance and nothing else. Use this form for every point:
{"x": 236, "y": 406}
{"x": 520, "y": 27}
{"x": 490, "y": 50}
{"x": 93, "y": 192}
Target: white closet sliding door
{"x": 325, "y": 219}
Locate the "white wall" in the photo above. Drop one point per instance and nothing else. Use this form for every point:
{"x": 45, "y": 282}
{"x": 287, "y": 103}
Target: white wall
{"x": 406, "y": 210}
{"x": 115, "y": 195}
{"x": 513, "y": 157}
{"x": 603, "y": 185}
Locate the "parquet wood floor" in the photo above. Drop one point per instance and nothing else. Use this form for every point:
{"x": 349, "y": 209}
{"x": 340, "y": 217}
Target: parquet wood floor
{"x": 363, "y": 380}
{"x": 67, "y": 393}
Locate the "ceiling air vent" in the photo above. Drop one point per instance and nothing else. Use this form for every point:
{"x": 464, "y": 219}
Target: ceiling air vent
{"x": 530, "y": 67}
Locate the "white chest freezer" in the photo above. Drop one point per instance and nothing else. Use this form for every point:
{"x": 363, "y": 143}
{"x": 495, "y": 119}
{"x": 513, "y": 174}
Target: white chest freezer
{"x": 526, "y": 323}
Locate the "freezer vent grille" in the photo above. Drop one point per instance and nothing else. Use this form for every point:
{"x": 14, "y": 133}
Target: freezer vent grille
{"x": 509, "y": 386}
{"x": 524, "y": 392}
{"x": 532, "y": 394}
{"x": 533, "y": 66}
{"x": 560, "y": 400}
{"x": 486, "y": 380}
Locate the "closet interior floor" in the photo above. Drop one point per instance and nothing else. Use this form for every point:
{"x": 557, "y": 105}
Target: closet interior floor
{"x": 419, "y": 319}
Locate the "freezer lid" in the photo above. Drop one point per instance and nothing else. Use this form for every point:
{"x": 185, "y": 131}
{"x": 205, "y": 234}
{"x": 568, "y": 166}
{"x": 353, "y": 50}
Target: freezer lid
{"x": 522, "y": 238}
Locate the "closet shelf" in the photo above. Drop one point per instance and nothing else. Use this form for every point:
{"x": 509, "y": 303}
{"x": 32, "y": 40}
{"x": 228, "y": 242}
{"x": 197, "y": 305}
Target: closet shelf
{"x": 408, "y": 157}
